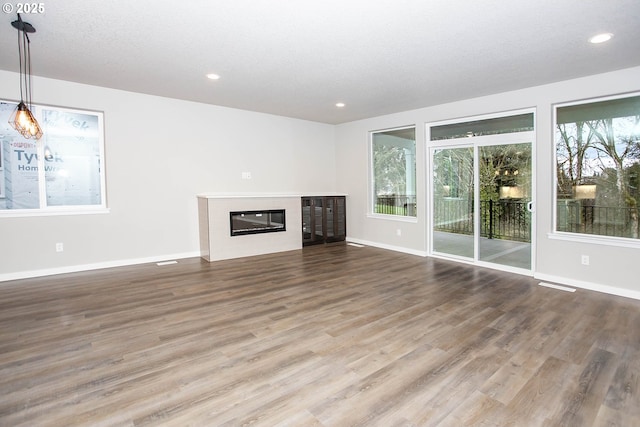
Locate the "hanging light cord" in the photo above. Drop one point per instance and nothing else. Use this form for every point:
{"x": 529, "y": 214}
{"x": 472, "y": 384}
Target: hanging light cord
{"x": 24, "y": 51}
{"x": 28, "y": 66}
{"x": 23, "y": 120}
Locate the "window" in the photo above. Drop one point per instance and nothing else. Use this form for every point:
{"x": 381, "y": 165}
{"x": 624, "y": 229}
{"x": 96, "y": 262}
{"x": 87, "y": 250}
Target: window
{"x": 598, "y": 167}
{"x": 62, "y": 172}
{"x": 494, "y": 126}
{"x": 394, "y": 172}
{"x": 481, "y": 180}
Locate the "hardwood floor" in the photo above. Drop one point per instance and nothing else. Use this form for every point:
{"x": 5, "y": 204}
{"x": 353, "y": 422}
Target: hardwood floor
{"x": 326, "y": 336}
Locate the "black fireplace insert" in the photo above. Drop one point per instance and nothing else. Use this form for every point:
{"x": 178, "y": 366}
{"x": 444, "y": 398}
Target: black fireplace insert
{"x": 256, "y": 222}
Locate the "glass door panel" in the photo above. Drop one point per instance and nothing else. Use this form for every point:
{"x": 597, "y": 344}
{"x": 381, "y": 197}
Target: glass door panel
{"x": 453, "y": 201}
{"x": 312, "y": 220}
{"x": 307, "y": 219}
{"x": 339, "y": 217}
{"x": 329, "y": 210}
{"x": 318, "y": 219}
{"x": 504, "y": 200}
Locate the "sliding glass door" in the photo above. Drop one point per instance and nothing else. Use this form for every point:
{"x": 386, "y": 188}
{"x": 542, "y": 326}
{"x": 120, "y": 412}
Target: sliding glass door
{"x": 453, "y": 201}
{"x": 504, "y": 210}
{"x": 481, "y": 191}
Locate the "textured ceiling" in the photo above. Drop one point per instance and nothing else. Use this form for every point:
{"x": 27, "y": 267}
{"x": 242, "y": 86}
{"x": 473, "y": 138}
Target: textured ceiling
{"x": 297, "y": 58}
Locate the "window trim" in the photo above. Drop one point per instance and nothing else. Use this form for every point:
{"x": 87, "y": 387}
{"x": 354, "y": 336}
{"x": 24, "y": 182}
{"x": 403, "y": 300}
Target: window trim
{"x": 594, "y": 239}
{"x": 477, "y": 141}
{"x": 371, "y": 196}
{"x": 44, "y": 210}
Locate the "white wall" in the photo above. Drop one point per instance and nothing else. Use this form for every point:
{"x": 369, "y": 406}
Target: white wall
{"x": 160, "y": 153}
{"x": 611, "y": 268}
{"x": 153, "y": 176}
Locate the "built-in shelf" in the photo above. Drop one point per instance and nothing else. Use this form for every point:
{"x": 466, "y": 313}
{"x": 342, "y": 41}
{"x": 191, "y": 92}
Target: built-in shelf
{"x": 323, "y": 219}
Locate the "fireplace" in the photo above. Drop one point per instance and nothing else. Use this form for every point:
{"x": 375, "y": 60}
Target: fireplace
{"x": 215, "y": 222}
{"x": 256, "y": 222}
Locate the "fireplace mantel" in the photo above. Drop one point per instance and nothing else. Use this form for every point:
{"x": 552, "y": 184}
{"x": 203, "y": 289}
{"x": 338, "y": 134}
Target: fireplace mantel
{"x": 216, "y": 241}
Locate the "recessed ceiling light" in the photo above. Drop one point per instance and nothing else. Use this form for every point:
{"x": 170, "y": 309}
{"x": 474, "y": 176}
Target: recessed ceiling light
{"x": 340, "y": 104}
{"x": 600, "y": 38}
{"x": 213, "y": 76}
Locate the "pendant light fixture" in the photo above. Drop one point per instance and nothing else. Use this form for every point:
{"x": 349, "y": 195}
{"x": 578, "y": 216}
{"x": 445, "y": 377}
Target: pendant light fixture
{"x": 22, "y": 119}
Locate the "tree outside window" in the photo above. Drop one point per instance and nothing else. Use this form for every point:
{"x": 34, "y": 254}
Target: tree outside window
{"x": 394, "y": 172}
{"x": 598, "y": 168}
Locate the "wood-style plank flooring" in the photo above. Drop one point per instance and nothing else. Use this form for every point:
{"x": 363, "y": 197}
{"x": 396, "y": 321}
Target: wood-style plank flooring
{"x": 325, "y": 336}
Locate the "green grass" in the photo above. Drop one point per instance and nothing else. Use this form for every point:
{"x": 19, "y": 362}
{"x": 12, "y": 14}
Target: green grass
{"x": 391, "y": 210}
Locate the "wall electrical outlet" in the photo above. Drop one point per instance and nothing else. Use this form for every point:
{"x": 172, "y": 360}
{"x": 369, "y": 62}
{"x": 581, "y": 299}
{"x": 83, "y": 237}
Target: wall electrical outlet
{"x": 59, "y": 247}
{"x": 246, "y": 175}
{"x": 585, "y": 259}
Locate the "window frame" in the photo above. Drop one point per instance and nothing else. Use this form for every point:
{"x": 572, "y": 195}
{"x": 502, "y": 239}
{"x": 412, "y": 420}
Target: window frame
{"x": 43, "y": 209}
{"x": 372, "y": 193}
{"x": 579, "y": 237}
{"x": 477, "y": 140}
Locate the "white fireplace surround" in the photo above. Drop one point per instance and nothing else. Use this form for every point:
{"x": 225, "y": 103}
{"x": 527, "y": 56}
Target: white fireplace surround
{"x": 216, "y": 242}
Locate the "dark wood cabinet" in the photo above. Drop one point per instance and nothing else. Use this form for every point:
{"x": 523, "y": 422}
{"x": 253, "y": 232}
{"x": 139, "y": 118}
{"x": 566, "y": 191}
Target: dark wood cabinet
{"x": 324, "y": 219}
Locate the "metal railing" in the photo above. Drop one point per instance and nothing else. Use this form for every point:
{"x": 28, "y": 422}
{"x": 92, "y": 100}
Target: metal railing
{"x": 504, "y": 219}
{"x": 402, "y": 205}
{"x": 511, "y": 220}
{"x": 582, "y": 216}
{"x": 454, "y": 215}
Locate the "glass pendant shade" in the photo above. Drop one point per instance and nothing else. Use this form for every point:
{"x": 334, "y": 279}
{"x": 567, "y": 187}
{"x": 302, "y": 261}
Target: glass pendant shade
{"x": 23, "y": 121}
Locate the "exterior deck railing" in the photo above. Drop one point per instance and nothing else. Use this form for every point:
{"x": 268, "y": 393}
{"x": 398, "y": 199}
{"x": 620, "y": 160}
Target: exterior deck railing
{"x": 510, "y": 219}
{"x": 403, "y": 205}
{"x": 504, "y": 219}
{"x": 582, "y": 216}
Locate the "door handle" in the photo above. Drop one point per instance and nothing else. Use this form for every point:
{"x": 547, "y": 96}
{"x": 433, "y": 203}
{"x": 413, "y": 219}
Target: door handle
{"x": 530, "y": 206}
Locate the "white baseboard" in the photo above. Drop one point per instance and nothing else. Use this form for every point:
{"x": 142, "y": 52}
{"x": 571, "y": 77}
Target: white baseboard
{"x": 389, "y": 247}
{"x": 627, "y": 293}
{"x": 96, "y": 266}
